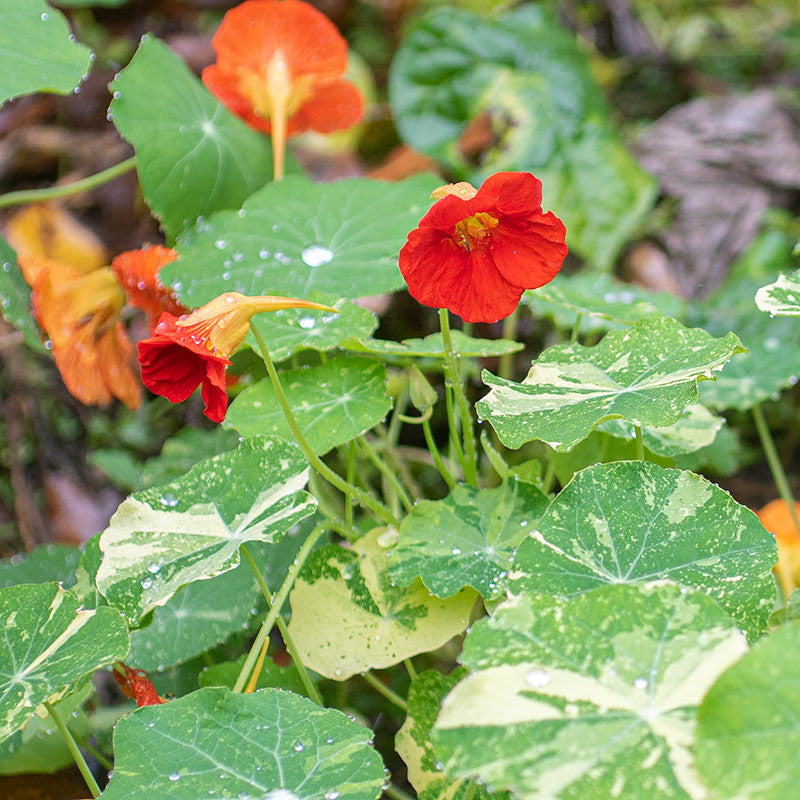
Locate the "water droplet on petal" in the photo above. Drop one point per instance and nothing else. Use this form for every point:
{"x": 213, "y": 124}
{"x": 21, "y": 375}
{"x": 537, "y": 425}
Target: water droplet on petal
{"x": 315, "y": 255}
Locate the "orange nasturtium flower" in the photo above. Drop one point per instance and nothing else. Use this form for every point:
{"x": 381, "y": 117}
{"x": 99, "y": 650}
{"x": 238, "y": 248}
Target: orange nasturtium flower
{"x": 136, "y": 685}
{"x": 775, "y": 517}
{"x": 80, "y": 312}
{"x": 477, "y": 250}
{"x": 192, "y": 350}
{"x": 279, "y": 67}
{"x": 137, "y": 271}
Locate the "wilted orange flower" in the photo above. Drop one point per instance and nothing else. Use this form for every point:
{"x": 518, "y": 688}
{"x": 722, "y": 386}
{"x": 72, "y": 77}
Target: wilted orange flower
{"x": 80, "y": 313}
{"x": 775, "y": 517}
{"x": 192, "y": 350}
{"x": 136, "y": 685}
{"x": 137, "y": 271}
{"x": 279, "y": 67}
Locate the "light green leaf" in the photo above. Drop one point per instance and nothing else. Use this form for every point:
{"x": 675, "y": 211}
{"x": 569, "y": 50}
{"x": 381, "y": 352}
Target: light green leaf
{"x": 724, "y": 456}
{"x": 49, "y": 647}
{"x": 646, "y": 375}
{"x": 295, "y": 236}
{"x": 333, "y": 403}
{"x": 781, "y": 298}
{"x": 39, "y": 747}
{"x": 603, "y": 302}
{"x": 268, "y": 744}
{"x": 431, "y": 346}
{"x": 290, "y": 330}
{"x": 193, "y": 156}
{"x": 592, "y": 696}
{"x": 697, "y": 427}
{"x": 347, "y": 617}
{"x": 748, "y": 729}
{"x": 467, "y": 539}
{"x": 49, "y": 562}
{"x": 15, "y": 296}
{"x": 533, "y": 80}
{"x": 85, "y": 588}
{"x": 189, "y": 530}
{"x": 37, "y": 51}
{"x": 672, "y": 524}
{"x": 271, "y": 676}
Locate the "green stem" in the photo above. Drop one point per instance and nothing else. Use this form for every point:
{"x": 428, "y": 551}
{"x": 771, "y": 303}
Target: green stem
{"x": 639, "y": 442}
{"x": 467, "y": 428}
{"x": 273, "y": 615}
{"x": 472, "y": 787}
{"x": 775, "y": 466}
{"x": 505, "y": 366}
{"x": 316, "y": 462}
{"x": 412, "y": 672}
{"x": 54, "y": 192}
{"x": 386, "y": 472}
{"x": 549, "y": 476}
{"x": 576, "y": 329}
{"x": 383, "y": 689}
{"x": 437, "y": 456}
{"x": 74, "y": 750}
{"x": 98, "y": 756}
{"x": 396, "y": 793}
{"x": 350, "y": 473}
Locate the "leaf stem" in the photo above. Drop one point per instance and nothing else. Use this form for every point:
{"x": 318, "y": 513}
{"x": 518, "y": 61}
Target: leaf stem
{"x": 380, "y": 465}
{"x": 472, "y": 787}
{"x": 775, "y": 466}
{"x": 74, "y": 750}
{"x": 350, "y": 477}
{"x": 316, "y": 462}
{"x": 380, "y": 687}
{"x": 396, "y": 793}
{"x": 505, "y": 367}
{"x": 576, "y": 328}
{"x": 437, "y": 456}
{"x": 412, "y": 672}
{"x": 273, "y": 615}
{"x": 452, "y": 426}
{"x": 54, "y": 192}
{"x": 451, "y": 371}
{"x": 639, "y": 443}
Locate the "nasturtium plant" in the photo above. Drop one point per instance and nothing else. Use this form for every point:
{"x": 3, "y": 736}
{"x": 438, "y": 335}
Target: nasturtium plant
{"x": 646, "y": 375}
{"x": 595, "y": 694}
{"x": 413, "y": 479}
{"x": 348, "y": 617}
{"x": 191, "y": 529}
{"x": 749, "y": 722}
{"x": 467, "y": 539}
{"x": 50, "y": 647}
{"x": 674, "y": 525}
{"x": 267, "y": 744}
{"x": 526, "y": 74}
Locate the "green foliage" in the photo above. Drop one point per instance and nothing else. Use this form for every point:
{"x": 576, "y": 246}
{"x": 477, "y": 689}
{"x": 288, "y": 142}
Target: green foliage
{"x": 15, "y": 297}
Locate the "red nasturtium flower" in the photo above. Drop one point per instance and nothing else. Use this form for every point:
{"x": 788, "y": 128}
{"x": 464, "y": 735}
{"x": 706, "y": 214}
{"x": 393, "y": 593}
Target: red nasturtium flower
{"x": 137, "y": 271}
{"x": 777, "y": 519}
{"x": 477, "y": 250}
{"x": 80, "y": 312}
{"x": 279, "y": 67}
{"x": 136, "y": 685}
{"x": 192, "y": 350}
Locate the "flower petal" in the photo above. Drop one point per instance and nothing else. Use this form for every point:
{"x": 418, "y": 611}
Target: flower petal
{"x": 214, "y": 395}
{"x": 510, "y": 193}
{"x": 337, "y": 106}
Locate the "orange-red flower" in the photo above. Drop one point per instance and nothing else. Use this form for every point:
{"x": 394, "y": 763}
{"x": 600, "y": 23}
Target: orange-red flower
{"x": 137, "y": 271}
{"x": 777, "y": 519}
{"x": 192, "y": 350}
{"x": 136, "y": 685}
{"x": 476, "y": 251}
{"x": 80, "y": 312}
{"x": 279, "y": 67}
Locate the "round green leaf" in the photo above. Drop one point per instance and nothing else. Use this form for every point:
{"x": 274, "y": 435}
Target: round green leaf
{"x": 646, "y": 375}
{"x": 333, "y": 403}
{"x": 37, "y": 51}
{"x": 602, "y": 302}
{"x": 15, "y": 297}
{"x": 781, "y": 298}
{"x": 290, "y": 330}
{"x": 193, "y": 156}
{"x": 269, "y": 745}
{"x": 50, "y": 562}
{"x": 162, "y": 538}
{"x": 295, "y": 236}
{"x": 672, "y": 524}
{"x": 49, "y": 646}
{"x": 592, "y": 696}
{"x": 467, "y": 539}
{"x": 347, "y": 617}
{"x": 748, "y": 730}
{"x": 431, "y": 346}
{"x": 533, "y": 80}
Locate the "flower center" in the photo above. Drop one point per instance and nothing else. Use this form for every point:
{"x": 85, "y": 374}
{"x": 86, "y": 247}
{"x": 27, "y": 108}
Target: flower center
{"x": 275, "y": 89}
{"x": 473, "y": 231}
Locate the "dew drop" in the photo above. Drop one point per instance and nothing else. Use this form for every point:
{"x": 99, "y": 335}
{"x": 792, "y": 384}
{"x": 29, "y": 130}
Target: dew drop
{"x": 220, "y": 244}
{"x": 147, "y": 583}
{"x": 537, "y": 678}
{"x": 315, "y": 255}
{"x": 174, "y": 776}
{"x": 154, "y": 568}
{"x": 299, "y": 747}
{"x": 168, "y": 500}
{"x": 331, "y": 795}
{"x": 307, "y": 322}
{"x": 45, "y": 16}
{"x": 640, "y": 683}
